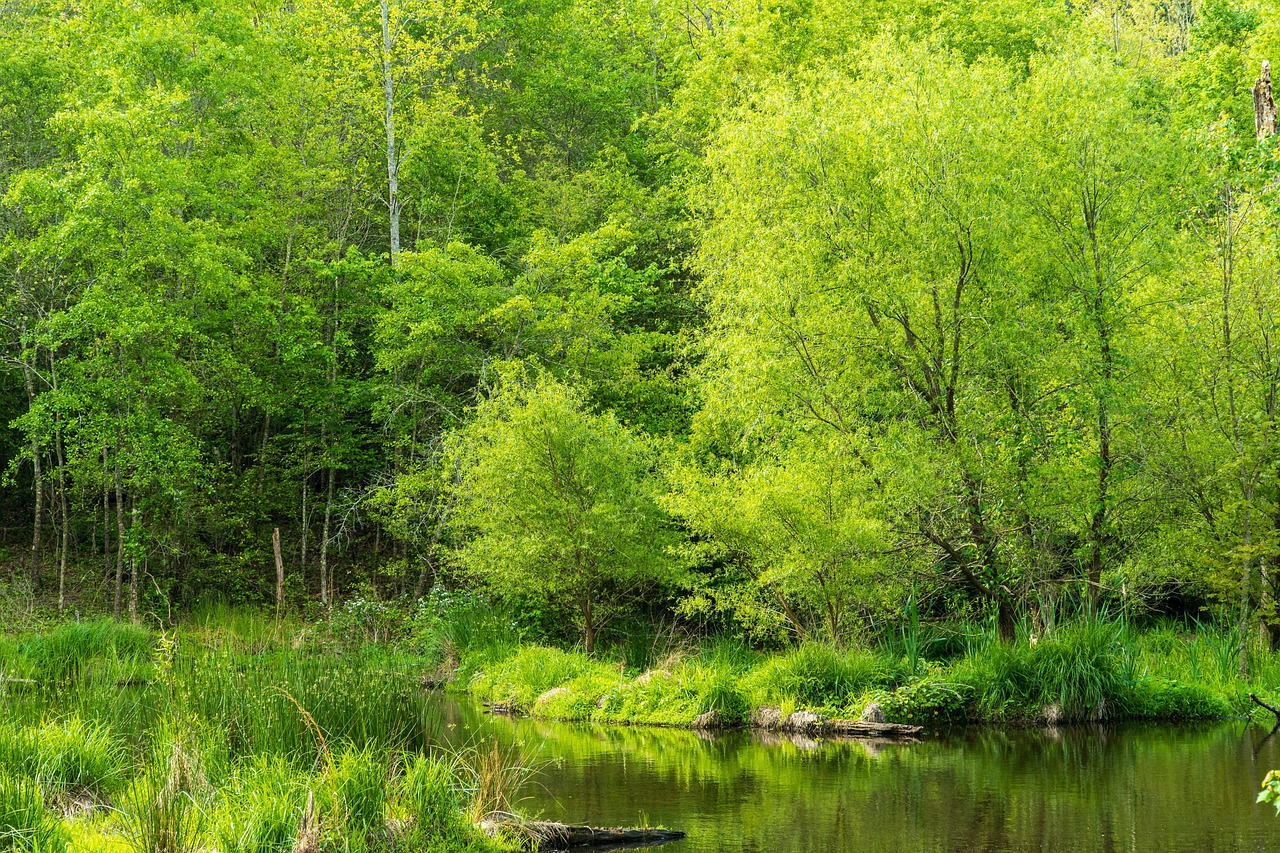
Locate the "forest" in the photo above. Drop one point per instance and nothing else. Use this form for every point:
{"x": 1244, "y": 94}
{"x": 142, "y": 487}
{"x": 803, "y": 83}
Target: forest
{"x": 792, "y": 320}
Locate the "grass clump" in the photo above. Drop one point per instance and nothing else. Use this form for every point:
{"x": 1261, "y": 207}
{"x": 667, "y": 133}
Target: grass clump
{"x": 432, "y": 805}
{"x": 816, "y": 675}
{"x": 358, "y": 780}
{"x": 68, "y": 652}
{"x": 26, "y": 822}
{"x": 520, "y": 679}
{"x": 65, "y": 755}
{"x": 263, "y": 807}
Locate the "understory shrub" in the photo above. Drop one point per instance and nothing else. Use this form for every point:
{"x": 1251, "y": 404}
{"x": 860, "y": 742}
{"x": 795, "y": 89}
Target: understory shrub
{"x": 930, "y": 700}
{"x": 1162, "y": 699}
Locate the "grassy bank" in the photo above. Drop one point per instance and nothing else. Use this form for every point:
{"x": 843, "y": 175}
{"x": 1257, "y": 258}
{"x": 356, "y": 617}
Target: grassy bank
{"x": 1082, "y": 671}
{"x": 236, "y": 734}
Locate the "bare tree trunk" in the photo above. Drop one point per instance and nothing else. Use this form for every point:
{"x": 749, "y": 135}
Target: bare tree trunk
{"x": 106, "y": 517}
{"x": 306, "y": 525}
{"x": 133, "y": 570}
{"x": 115, "y": 606}
{"x": 588, "y": 625}
{"x": 37, "y": 480}
{"x": 324, "y": 543}
{"x": 1246, "y": 583}
{"x": 66, "y": 527}
{"x": 275, "y": 545}
{"x": 262, "y": 452}
{"x": 393, "y": 163}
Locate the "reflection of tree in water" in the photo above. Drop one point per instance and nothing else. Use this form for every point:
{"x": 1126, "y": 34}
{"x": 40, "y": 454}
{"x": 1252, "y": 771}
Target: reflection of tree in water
{"x": 1143, "y": 788}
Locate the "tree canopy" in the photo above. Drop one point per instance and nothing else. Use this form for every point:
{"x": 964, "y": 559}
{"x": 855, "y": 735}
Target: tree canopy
{"x": 825, "y": 306}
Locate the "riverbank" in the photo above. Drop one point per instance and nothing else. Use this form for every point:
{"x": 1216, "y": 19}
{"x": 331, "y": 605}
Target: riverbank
{"x": 245, "y": 737}
{"x": 1086, "y": 671}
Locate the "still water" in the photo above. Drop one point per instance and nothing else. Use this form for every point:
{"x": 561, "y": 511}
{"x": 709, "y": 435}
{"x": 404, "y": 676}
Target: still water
{"x": 1149, "y": 788}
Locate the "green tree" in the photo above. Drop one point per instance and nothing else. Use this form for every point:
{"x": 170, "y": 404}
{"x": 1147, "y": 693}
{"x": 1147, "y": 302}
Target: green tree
{"x": 556, "y": 506}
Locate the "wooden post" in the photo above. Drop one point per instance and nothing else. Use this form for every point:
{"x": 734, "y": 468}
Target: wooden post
{"x": 275, "y": 544}
{"x": 1264, "y": 107}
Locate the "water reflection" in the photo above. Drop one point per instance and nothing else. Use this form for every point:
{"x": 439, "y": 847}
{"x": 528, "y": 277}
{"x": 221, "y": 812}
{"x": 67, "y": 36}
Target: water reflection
{"x": 1079, "y": 789}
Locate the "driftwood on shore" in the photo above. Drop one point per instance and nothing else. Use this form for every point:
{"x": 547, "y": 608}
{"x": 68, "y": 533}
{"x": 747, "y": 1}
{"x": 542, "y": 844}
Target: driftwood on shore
{"x": 816, "y": 725}
{"x": 549, "y": 836}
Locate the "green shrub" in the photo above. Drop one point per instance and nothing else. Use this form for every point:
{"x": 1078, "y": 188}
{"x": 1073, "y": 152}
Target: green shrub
{"x": 930, "y": 700}
{"x": 1162, "y": 699}
{"x": 26, "y": 823}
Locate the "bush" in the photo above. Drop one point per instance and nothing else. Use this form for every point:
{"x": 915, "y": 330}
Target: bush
{"x": 1163, "y": 699}
{"x": 931, "y": 700}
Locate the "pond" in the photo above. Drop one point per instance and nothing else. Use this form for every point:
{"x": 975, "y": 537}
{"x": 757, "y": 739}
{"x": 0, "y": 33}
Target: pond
{"x": 1147, "y": 788}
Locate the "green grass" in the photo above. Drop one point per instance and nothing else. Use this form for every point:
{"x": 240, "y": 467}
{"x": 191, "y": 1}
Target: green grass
{"x": 26, "y": 822}
{"x": 1090, "y": 668}
{"x": 214, "y": 734}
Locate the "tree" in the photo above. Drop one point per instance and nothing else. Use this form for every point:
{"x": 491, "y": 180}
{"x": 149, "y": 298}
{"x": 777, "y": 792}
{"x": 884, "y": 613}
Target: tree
{"x": 555, "y": 504}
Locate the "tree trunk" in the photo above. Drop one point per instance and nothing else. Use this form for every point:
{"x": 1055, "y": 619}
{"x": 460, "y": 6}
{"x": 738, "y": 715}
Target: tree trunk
{"x": 133, "y": 570}
{"x": 306, "y": 519}
{"x": 1097, "y": 524}
{"x": 66, "y": 526}
{"x": 1267, "y": 606}
{"x": 324, "y": 543}
{"x": 115, "y": 607}
{"x": 1264, "y": 107}
{"x": 588, "y": 626}
{"x": 1246, "y": 583}
{"x": 106, "y": 516}
{"x": 262, "y": 452}
{"x": 37, "y": 481}
{"x": 393, "y": 163}
{"x": 275, "y": 545}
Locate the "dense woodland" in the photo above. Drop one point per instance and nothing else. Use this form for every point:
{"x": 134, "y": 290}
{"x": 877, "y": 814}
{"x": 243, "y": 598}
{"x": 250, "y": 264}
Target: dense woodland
{"x": 786, "y": 318}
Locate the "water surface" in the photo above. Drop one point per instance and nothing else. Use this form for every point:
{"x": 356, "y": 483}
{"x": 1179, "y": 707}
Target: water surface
{"x": 1149, "y": 788}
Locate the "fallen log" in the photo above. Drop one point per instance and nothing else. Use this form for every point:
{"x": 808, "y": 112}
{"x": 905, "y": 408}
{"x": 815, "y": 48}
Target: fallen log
{"x": 552, "y": 836}
{"x": 816, "y": 725}
{"x": 860, "y": 729}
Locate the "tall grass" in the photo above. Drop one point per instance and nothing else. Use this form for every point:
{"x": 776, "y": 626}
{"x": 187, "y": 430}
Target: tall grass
{"x": 26, "y": 823}
{"x": 816, "y": 675}
{"x": 262, "y": 807}
{"x": 66, "y": 652}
